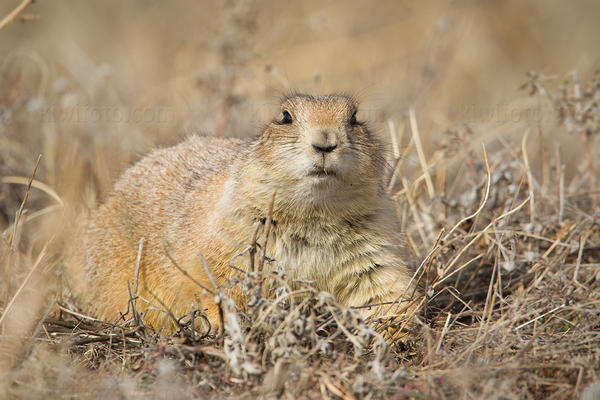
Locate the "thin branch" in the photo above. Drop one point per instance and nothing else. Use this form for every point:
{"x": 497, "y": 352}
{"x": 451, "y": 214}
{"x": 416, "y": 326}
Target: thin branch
{"x": 417, "y": 138}
{"x": 540, "y": 316}
{"x": 208, "y": 273}
{"x": 137, "y": 268}
{"x": 263, "y": 255}
{"x": 14, "y": 13}
{"x": 133, "y": 293}
{"x": 529, "y": 178}
{"x": 184, "y": 272}
{"x": 394, "y": 138}
{"x": 22, "y": 207}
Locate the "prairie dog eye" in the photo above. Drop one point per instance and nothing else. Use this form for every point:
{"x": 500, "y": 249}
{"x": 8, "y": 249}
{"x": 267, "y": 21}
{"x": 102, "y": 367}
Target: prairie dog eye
{"x": 287, "y": 118}
{"x": 353, "y": 119}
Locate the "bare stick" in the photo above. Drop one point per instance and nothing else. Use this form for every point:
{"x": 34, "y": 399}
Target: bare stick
{"x": 394, "y": 176}
{"x": 540, "y": 316}
{"x": 137, "y": 268}
{"x": 184, "y": 272}
{"x": 133, "y": 295}
{"x": 529, "y": 178}
{"x": 14, "y": 13}
{"x": 417, "y": 138}
{"x": 396, "y": 154}
{"x": 397, "y": 168}
{"x": 444, "y": 331}
{"x": 582, "y": 241}
{"x": 263, "y": 255}
{"x": 208, "y": 273}
{"x": 82, "y": 316}
{"x": 394, "y": 137}
{"x": 20, "y": 212}
{"x": 489, "y": 299}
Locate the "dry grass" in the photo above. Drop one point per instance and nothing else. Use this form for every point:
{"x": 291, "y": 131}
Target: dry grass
{"x": 507, "y": 235}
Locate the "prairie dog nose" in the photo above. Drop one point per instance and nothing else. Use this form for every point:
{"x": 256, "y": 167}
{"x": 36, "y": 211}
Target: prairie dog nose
{"x": 323, "y": 141}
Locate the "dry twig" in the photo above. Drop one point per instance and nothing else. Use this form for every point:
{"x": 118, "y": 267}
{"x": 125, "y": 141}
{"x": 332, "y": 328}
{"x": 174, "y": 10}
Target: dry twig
{"x": 14, "y": 14}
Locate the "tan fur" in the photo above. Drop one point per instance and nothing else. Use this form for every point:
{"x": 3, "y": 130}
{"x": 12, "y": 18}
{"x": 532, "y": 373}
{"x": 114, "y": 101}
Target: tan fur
{"x": 333, "y": 225}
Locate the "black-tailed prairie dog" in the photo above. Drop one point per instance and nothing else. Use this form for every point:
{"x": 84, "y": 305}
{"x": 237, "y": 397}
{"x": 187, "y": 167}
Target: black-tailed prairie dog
{"x": 333, "y": 223}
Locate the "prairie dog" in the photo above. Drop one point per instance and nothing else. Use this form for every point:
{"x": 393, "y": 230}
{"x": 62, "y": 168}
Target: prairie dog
{"x": 333, "y": 222}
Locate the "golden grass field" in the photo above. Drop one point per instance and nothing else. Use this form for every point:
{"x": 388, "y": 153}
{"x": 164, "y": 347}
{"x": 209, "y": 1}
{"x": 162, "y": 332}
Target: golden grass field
{"x": 491, "y": 112}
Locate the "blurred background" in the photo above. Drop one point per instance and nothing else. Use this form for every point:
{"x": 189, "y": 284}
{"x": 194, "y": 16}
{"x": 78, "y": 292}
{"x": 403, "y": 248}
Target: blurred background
{"x": 94, "y": 85}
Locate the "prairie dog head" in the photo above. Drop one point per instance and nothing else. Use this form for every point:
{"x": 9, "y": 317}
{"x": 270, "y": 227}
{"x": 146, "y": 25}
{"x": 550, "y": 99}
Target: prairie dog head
{"x": 319, "y": 146}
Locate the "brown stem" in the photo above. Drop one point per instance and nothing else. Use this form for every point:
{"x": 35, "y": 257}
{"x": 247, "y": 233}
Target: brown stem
{"x": 263, "y": 253}
{"x": 14, "y": 13}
